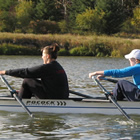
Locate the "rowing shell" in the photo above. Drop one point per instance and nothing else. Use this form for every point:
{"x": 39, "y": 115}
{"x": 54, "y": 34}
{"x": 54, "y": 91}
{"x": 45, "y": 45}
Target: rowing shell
{"x": 77, "y": 105}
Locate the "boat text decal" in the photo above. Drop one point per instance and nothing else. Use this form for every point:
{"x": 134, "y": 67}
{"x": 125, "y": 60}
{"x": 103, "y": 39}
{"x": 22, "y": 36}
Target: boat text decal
{"x": 46, "y": 103}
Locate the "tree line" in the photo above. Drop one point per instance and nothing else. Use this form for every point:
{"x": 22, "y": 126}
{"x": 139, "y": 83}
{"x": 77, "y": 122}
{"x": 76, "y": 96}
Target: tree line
{"x": 70, "y": 16}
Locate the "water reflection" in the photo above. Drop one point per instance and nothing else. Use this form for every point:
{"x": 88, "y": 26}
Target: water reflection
{"x": 66, "y": 126}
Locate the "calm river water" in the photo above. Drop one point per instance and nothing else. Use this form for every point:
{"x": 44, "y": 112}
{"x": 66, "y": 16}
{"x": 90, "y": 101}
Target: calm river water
{"x": 66, "y": 126}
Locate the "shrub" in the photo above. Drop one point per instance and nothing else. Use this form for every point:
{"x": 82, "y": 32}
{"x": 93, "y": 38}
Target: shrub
{"x": 63, "y": 26}
{"x": 10, "y": 49}
{"x": 80, "y": 51}
{"x": 44, "y": 27}
{"x": 100, "y": 50}
{"x": 63, "y": 52}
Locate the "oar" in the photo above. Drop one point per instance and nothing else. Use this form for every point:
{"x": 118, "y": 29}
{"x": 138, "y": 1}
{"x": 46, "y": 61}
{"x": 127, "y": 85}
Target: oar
{"x": 109, "y": 79}
{"x": 80, "y": 94}
{"x": 14, "y": 93}
{"x": 112, "y": 100}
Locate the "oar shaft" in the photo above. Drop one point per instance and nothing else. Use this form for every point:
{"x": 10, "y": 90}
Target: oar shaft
{"x": 119, "y": 108}
{"x": 15, "y": 96}
{"x": 112, "y": 100}
{"x": 23, "y": 106}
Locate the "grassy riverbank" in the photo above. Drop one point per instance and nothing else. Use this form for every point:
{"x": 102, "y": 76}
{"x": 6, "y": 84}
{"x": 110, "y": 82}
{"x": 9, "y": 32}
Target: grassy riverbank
{"x": 76, "y": 45}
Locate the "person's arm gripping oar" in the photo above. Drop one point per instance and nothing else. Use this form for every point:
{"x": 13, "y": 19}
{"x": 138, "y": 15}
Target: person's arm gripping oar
{"x": 14, "y": 93}
{"x": 112, "y": 100}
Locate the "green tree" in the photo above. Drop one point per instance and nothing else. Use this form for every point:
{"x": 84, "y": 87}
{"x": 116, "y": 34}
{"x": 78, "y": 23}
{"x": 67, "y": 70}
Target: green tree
{"x": 77, "y": 7}
{"x": 64, "y": 4}
{"x": 132, "y": 25}
{"x": 129, "y": 5}
{"x": 114, "y": 15}
{"x": 136, "y": 18}
{"x": 48, "y": 10}
{"x": 7, "y": 15}
{"x": 89, "y": 3}
{"x": 90, "y": 20}
{"x": 24, "y": 11}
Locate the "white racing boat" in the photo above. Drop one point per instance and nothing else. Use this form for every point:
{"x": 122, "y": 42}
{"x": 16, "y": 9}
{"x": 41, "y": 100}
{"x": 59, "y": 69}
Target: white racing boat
{"x": 75, "y": 105}
{"x": 88, "y": 104}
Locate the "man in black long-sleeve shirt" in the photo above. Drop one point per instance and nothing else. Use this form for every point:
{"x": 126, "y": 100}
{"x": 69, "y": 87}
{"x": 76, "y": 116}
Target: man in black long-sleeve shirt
{"x": 46, "y": 81}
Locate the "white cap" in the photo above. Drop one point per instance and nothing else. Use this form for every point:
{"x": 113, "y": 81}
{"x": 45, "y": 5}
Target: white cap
{"x": 133, "y": 54}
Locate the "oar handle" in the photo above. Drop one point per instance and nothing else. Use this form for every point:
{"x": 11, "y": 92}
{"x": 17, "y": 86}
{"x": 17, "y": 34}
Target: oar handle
{"x": 14, "y": 93}
{"x": 100, "y": 85}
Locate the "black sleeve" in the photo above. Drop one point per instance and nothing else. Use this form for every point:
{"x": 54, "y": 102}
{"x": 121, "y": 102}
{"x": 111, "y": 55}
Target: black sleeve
{"x": 33, "y": 72}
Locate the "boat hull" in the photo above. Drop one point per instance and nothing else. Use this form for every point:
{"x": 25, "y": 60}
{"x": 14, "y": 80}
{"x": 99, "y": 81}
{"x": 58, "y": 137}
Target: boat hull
{"x": 84, "y": 106}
